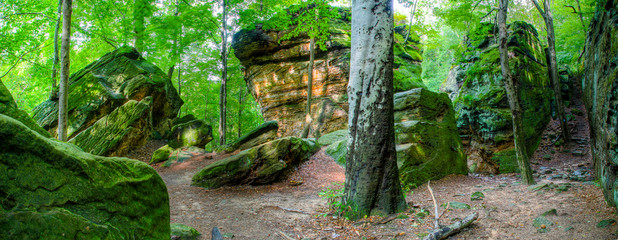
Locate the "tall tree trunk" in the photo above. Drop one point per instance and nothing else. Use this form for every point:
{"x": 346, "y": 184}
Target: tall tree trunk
{"x": 308, "y": 119}
{"x": 139, "y": 10}
{"x": 411, "y": 21}
{"x": 512, "y": 92}
{"x": 179, "y": 84}
{"x": 372, "y": 179}
{"x": 56, "y": 50}
{"x": 240, "y": 108}
{"x": 553, "y": 68}
{"x": 64, "y": 71}
{"x": 223, "y": 91}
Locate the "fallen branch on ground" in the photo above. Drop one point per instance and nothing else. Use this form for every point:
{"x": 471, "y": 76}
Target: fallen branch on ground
{"x": 435, "y": 205}
{"x": 444, "y": 232}
{"x": 388, "y": 219}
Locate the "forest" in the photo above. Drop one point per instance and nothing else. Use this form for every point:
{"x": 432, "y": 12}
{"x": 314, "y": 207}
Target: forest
{"x": 308, "y": 119}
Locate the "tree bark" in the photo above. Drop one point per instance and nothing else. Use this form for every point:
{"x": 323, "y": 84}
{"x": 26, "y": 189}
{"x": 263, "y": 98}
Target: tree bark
{"x": 449, "y": 230}
{"x": 240, "y": 108}
{"x": 372, "y": 179}
{"x": 552, "y": 68}
{"x": 223, "y": 91}
{"x": 512, "y": 92}
{"x": 56, "y": 50}
{"x": 139, "y": 8}
{"x": 308, "y": 119}
{"x": 64, "y": 71}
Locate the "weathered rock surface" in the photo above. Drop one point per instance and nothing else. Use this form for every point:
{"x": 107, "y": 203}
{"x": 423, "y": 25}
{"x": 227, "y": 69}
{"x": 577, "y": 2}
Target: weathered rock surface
{"x": 262, "y": 164}
{"x": 192, "y": 133}
{"x": 332, "y": 137}
{"x": 9, "y": 107}
{"x": 600, "y": 88}
{"x": 482, "y": 110}
{"x": 276, "y": 74}
{"x": 266, "y": 132}
{"x": 118, "y": 80}
{"x": 428, "y": 144}
{"x": 161, "y": 154}
{"x": 54, "y": 190}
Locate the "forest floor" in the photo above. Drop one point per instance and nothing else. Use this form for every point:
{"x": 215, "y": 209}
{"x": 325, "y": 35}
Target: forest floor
{"x": 508, "y": 210}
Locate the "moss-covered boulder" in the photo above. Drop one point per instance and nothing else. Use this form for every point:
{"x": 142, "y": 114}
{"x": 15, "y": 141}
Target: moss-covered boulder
{"x": 266, "y": 132}
{"x": 482, "y": 110}
{"x": 428, "y": 144}
{"x": 9, "y": 107}
{"x": 338, "y": 151}
{"x": 193, "y": 133}
{"x": 332, "y": 137}
{"x": 276, "y": 74}
{"x": 161, "y": 154}
{"x": 115, "y": 80}
{"x": 183, "y": 232}
{"x": 54, "y": 190}
{"x": 600, "y": 88}
{"x": 263, "y": 164}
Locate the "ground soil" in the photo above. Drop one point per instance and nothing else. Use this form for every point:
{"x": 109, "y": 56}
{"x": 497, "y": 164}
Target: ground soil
{"x": 286, "y": 210}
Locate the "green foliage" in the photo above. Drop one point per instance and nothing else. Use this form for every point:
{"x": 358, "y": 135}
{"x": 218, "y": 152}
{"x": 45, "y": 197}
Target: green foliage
{"x": 312, "y": 18}
{"x": 333, "y": 195}
{"x": 477, "y": 196}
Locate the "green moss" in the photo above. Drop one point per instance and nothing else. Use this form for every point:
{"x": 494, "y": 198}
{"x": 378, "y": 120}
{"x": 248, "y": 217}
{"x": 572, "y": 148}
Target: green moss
{"x": 193, "y": 133}
{"x": 161, "y": 154}
{"x": 183, "y": 232}
{"x": 338, "y": 151}
{"x": 54, "y": 190}
{"x": 9, "y": 107}
{"x": 507, "y": 160}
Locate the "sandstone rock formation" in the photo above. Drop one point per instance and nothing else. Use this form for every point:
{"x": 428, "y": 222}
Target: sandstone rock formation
{"x": 480, "y": 102}
{"x": 276, "y": 74}
{"x": 120, "y": 91}
{"x": 9, "y": 107}
{"x": 193, "y": 133}
{"x": 428, "y": 144}
{"x": 54, "y": 190}
{"x": 600, "y": 88}
{"x": 262, "y": 164}
{"x": 266, "y": 132}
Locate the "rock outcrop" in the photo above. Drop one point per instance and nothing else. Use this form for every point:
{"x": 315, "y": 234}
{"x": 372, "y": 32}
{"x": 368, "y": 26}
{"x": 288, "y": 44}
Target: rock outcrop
{"x": 54, "y": 190}
{"x": 192, "y": 133}
{"x": 482, "y": 110}
{"x": 276, "y": 74}
{"x": 120, "y": 91}
{"x": 428, "y": 143}
{"x": 9, "y": 107}
{"x": 600, "y": 88}
{"x": 266, "y": 132}
{"x": 262, "y": 164}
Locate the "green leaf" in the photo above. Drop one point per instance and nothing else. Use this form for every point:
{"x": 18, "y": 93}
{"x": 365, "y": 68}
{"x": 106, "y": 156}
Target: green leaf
{"x": 477, "y": 196}
{"x": 606, "y": 223}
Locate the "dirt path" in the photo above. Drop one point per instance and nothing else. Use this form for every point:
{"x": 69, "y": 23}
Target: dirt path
{"x": 507, "y": 211}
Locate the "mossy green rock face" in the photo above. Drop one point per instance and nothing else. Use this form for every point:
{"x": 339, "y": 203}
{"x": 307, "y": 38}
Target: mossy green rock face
{"x": 263, "y": 164}
{"x": 428, "y": 144}
{"x": 336, "y": 136}
{"x": 107, "y": 84}
{"x": 183, "y": 232}
{"x": 54, "y": 190}
{"x": 161, "y": 154}
{"x": 266, "y": 132}
{"x": 476, "y": 87}
{"x": 276, "y": 74}
{"x": 600, "y": 88}
{"x": 9, "y": 107}
{"x": 193, "y": 133}
{"x": 338, "y": 150}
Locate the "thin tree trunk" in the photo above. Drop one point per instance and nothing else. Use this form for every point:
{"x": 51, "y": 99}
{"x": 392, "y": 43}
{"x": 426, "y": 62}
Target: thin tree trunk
{"x": 170, "y": 72}
{"x": 56, "y": 50}
{"x": 223, "y": 91}
{"x": 411, "y": 21}
{"x": 139, "y": 9}
{"x": 179, "y": 84}
{"x": 64, "y": 71}
{"x": 308, "y": 119}
{"x": 372, "y": 179}
{"x": 553, "y": 68}
{"x": 581, "y": 16}
{"x": 240, "y": 107}
{"x": 512, "y": 92}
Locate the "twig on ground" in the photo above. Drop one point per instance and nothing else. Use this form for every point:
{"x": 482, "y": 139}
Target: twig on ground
{"x": 446, "y": 209}
{"x": 387, "y": 219}
{"x": 435, "y": 205}
{"x": 444, "y": 232}
{"x": 284, "y": 236}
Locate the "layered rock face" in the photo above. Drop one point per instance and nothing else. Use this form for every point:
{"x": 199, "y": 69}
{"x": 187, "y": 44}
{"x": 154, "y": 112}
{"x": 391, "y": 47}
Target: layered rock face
{"x": 54, "y": 190}
{"x": 600, "y": 87}
{"x": 119, "y": 98}
{"x": 276, "y": 73}
{"x": 482, "y": 110}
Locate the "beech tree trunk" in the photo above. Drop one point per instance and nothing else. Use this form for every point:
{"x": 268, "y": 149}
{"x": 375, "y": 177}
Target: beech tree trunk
{"x": 56, "y": 50}
{"x": 223, "y": 91}
{"x": 64, "y": 71}
{"x": 372, "y": 179}
{"x": 552, "y": 68}
{"x": 512, "y": 92}
{"x": 308, "y": 119}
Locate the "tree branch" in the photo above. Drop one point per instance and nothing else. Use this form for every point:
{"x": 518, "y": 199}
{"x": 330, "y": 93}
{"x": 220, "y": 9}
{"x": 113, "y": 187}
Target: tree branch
{"x": 443, "y": 233}
{"x": 493, "y": 9}
{"x": 569, "y": 6}
{"x": 20, "y": 58}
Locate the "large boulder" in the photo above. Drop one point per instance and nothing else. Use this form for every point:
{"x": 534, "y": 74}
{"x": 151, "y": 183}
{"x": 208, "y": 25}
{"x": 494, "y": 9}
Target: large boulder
{"x": 192, "y": 133}
{"x": 9, "y": 107}
{"x": 113, "y": 85}
{"x": 276, "y": 74}
{"x": 479, "y": 97}
{"x": 54, "y": 190}
{"x": 266, "y": 132}
{"x": 263, "y": 164}
{"x": 428, "y": 144}
{"x": 600, "y": 88}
